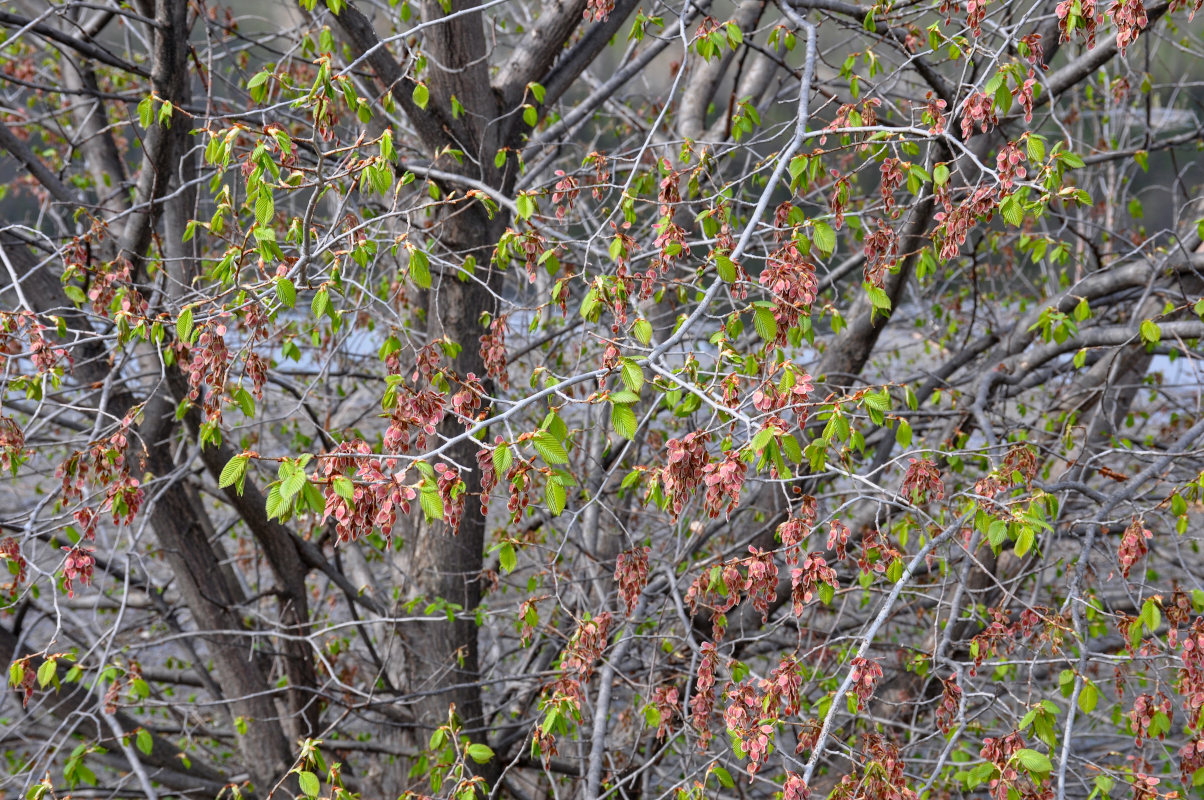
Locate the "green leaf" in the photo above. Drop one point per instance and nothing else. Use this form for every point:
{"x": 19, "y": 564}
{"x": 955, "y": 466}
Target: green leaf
{"x": 1012, "y": 211}
{"x": 234, "y": 472}
{"x": 309, "y": 783}
{"x": 550, "y": 448}
{"x": 823, "y": 237}
{"x": 420, "y": 268}
{"x": 431, "y": 502}
{"x": 1088, "y": 697}
{"x": 1036, "y": 149}
{"x": 632, "y": 375}
{"x": 422, "y": 95}
{"x": 286, "y": 292}
{"x": 144, "y": 741}
{"x": 623, "y": 419}
{"x": 1034, "y": 761}
{"x": 903, "y": 433}
{"x": 292, "y": 484}
{"x": 502, "y": 459}
{"x": 184, "y": 326}
{"x": 554, "y": 495}
{"x": 507, "y": 558}
{"x": 726, "y": 268}
{"x": 940, "y": 174}
{"x": 725, "y": 778}
{"x": 479, "y": 753}
{"x": 766, "y": 325}
{"x": 46, "y": 672}
{"x": 642, "y": 329}
{"x": 265, "y": 209}
{"x": 1150, "y": 332}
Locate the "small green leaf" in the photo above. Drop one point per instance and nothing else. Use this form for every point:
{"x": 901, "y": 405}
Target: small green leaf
{"x": 766, "y": 325}
{"x": 479, "y": 753}
{"x": 422, "y": 95}
{"x": 507, "y": 558}
{"x": 632, "y": 375}
{"x": 555, "y": 495}
{"x": 725, "y": 778}
{"x": 184, "y": 326}
{"x": 420, "y": 268}
{"x": 1150, "y": 332}
{"x": 623, "y": 419}
{"x": 234, "y": 472}
{"x": 550, "y": 448}
{"x": 46, "y": 672}
{"x": 286, "y": 292}
{"x": 309, "y": 783}
{"x": 1034, "y": 761}
{"x": 144, "y": 741}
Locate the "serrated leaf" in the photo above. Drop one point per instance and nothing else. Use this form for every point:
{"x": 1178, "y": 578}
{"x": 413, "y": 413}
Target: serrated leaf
{"x": 184, "y": 326}
{"x": 550, "y": 448}
{"x": 420, "y": 268}
{"x": 286, "y": 292}
{"x": 144, "y": 741}
{"x": 292, "y": 484}
{"x": 642, "y": 329}
{"x": 766, "y": 325}
{"x": 1034, "y": 761}
{"x": 507, "y": 558}
{"x": 233, "y": 472}
{"x": 265, "y": 208}
{"x": 1088, "y": 697}
{"x": 623, "y": 419}
{"x": 502, "y": 459}
{"x": 431, "y": 502}
{"x": 1150, "y": 332}
{"x": 903, "y": 433}
{"x": 632, "y": 375}
{"x": 823, "y": 237}
{"x": 554, "y": 495}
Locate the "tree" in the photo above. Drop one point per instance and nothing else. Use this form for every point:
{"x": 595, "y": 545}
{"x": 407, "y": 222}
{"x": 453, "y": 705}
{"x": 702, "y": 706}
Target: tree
{"x": 448, "y": 399}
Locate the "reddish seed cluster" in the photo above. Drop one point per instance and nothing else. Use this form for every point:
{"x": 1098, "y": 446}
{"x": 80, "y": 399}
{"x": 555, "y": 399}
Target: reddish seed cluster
{"x": 793, "y": 534}
{"x": 934, "y": 113}
{"x": 665, "y": 699}
{"x": 838, "y": 538}
{"x": 979, "y": 109}
{"x": 209, "y": 367}
{"x": 1023, "y": 94}
{"x": 24, "y": 325}
{"x": 582, "y": 653}
{"x": 1191, "y": 759}
{"x": 976, "y": 12}
{"x": 805, "y": 580}
{"x": 881, "y": 775}
{"x": 77, "y": 567}
{"x": 719, "y": 596}
{"x": 467, "y": 400}
{"x": 784, "y": 689}
{"x": 488, "y": 475}
{"x": 893, "y": 174}
{"x": 598, "y": 10}
{"x": 453, "y": 492}
{"x": 631, "y": 574}
{"x": 1089, "y": 20}
{"x": 922, "y": 482}
{"x": 946, "y": 711}
{"x": 105, "y": 465}
{"x": 1008, "y": 163}
{"x": 683, "y": 471}
{"x": 770, "y": 399}
{"x": 790, "y": 277}
{"x": 702, "y": 704}
{"x": 12, "y": 445}
{"x": 413, "y": 417}
{"x": 724, "y": 480}
{"x": 838, "y": 199}
{"x": 866, "y": 675}
{"x": 881, "y": 253}
{"x": 1130, "y": 19}
{"x": 1133, "y": 545}
{"x": 1190, "y": 685}
{"x": 10, "y": 553}
{"x": 1145, "y": 708}
{"x": 376, "y": 497}
{"x": 743, "y": 719}
{"x": 795, "y": 788}
{"x": 762, "y": 581}
{"x": 999, "y": 752}
{"x": 564, "y": 194}
{"x": 493, "y": 351}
